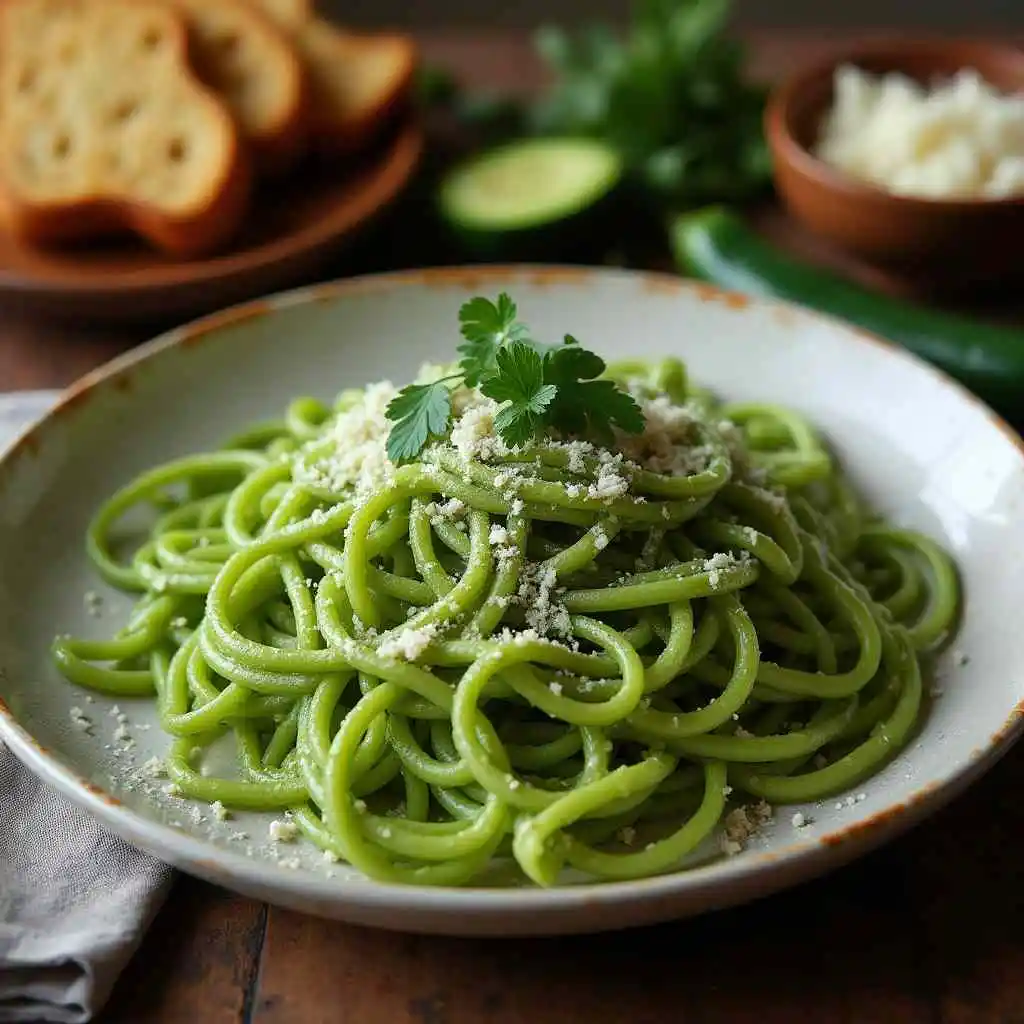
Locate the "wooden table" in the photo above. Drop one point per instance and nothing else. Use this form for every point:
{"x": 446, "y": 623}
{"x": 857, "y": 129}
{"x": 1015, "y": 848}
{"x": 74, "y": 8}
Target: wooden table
{"x": 927, "y": 931}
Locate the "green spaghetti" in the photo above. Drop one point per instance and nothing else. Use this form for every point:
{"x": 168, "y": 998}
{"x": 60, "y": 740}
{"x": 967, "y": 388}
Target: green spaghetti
{"x": 564, "y": 652}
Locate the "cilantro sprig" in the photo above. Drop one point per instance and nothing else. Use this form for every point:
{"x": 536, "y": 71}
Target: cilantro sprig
{"x": 540, "y": 387}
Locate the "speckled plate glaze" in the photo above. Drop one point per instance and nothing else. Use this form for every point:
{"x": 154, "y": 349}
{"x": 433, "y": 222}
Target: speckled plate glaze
{"x": 926, "y": 452}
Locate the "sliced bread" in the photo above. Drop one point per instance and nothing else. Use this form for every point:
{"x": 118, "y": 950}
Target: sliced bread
{"x": 289, "y": 14}
{"x": 249, "y": 61}
{"x": 104, "y": 128}
{"x": 357, "y": 80}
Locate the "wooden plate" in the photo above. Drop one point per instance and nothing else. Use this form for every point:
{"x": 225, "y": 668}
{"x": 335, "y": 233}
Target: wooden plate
{"x": 296, "y": 224}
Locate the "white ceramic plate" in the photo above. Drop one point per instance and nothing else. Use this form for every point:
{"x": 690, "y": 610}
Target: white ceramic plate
{"x": 927, "y": 453}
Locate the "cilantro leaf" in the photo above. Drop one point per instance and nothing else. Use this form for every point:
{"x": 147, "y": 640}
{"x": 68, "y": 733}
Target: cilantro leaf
{"x": 518, "y": 378}
{"x": 670, "y": 95}
{"x": 486, "y": 326}
{"x": 571, "y": 362}
{"x": 419, "y": 411}
{"x": 539, "y": 386}
{"x": 584, "y": 405}
{"x": 593, "y": 407}
{"x": 516, "y": 425}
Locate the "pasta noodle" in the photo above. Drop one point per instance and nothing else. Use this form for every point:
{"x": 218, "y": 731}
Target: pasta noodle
{"x": 556, "y": 656}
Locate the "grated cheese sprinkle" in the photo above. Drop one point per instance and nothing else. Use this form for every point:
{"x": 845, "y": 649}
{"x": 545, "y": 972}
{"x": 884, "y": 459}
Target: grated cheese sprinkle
{"x": 408, "y": 643}
{"x": 357, "y": 457}
{"x": 283, "y": 831}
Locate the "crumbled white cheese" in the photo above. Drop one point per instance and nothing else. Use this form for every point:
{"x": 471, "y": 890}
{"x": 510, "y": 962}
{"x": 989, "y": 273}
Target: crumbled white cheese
{"x": 356, "y": 459}
{"x": 408, "y": 643}
{"x": 80, "y": 720}
{"x": 283, "y": 831}
{"x": 666, "y": 444}
{"x": 714, "y": 566}
{"x": 742, "y": 823}
{"x": 954, "y": 137}
{"x": 220, "y": 812}
{"x": 473, "y": 435}
{"x": 543, "y": 613}
{"x": 609, "y": 484}
{"x": 449, "y": 509}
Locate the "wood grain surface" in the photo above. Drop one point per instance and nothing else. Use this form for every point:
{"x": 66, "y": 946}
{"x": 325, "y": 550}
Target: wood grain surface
{"x": 927, "y": 931}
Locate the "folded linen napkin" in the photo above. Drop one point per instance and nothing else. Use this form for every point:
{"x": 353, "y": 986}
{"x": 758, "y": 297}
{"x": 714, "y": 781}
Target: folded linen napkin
{"x": 75, "y": 900}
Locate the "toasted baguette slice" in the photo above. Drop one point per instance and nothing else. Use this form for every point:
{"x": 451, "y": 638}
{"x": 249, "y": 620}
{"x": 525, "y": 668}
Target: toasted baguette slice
{"x": 289, "y": 14}
{"x": 249, "y": 61}
{"x": 357, "y": 80}
{"x": 104, "y": 128}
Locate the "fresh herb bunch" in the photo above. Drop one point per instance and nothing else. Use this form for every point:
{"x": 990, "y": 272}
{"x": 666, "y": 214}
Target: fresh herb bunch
{"x": 541, "y": 387}
{"x": 671, "y": 97}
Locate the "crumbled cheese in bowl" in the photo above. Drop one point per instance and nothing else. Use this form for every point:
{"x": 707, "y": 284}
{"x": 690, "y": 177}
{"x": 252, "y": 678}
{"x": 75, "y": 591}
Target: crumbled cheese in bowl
{"x": 959, "y": 137}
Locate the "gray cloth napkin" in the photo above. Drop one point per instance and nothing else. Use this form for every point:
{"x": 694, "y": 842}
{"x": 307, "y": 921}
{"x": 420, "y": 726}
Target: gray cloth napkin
{"x": 75, "y": 900}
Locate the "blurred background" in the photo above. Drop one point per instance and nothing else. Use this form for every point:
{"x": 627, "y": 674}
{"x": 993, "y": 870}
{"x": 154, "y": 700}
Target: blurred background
{"x": 973, "y": 16}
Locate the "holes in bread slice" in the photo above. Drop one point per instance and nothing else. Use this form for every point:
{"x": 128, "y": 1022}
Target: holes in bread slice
{"x": 61, "y": 146}
{"x": 177, "y": 149}
{"x": 152, "y": 38}
{"x": 123, "y": 110}
{"x": 26, "y": 79}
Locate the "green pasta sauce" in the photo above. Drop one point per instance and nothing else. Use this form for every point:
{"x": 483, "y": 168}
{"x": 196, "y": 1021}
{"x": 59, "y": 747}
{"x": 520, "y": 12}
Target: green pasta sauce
{"x": 553, "y": 655}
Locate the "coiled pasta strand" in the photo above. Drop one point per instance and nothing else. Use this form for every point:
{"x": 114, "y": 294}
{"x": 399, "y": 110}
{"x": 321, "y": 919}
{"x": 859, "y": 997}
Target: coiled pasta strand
{"x": 555, "y": 656}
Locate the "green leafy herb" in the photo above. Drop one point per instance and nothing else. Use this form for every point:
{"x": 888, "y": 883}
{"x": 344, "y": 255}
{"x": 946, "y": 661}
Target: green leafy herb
{"x": 540, "y": 387}
{"x": 420, "y": 411}
{"x": 486, "y": 326}
{"x": 671, "y": 97}
{"x": 518, "y": 379}
{"x": 584, "y": 405}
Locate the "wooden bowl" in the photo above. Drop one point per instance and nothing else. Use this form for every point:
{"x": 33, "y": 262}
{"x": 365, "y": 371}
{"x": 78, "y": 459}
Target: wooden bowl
{"x": 954, "y": 242}
{"x": 297, "y": 225}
